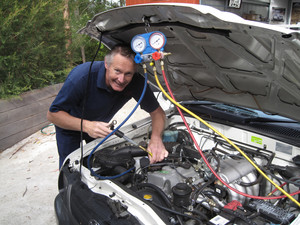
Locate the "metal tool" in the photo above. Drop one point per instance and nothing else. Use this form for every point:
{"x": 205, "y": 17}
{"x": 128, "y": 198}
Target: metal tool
{"x": 120, "y": 134}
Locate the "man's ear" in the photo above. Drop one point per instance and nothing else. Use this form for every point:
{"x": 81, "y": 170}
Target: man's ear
{"x": 105, "y": 64}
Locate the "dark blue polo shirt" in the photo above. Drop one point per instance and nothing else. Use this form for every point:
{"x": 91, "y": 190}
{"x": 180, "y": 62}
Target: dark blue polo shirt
{"x": 101, "y": 104}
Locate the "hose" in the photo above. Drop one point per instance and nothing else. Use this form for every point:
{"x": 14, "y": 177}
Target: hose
{"x": 85, "y": 97}
{"x": 177, "y": 213}
{"x": 258, "y": 180}
{"x": 159, "y": 191}
{"x": 163, "y": 195}
{"x": 44, "y": 132}
{"x": 229, "y": 141}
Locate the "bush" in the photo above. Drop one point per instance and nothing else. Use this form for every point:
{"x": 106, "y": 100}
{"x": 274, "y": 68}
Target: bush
{"x": 32, "y": 45}
{"x": 33, "y": 42}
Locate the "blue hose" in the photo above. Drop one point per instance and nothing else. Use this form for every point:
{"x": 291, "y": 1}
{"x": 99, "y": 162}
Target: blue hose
{"x": 104, "y": 139}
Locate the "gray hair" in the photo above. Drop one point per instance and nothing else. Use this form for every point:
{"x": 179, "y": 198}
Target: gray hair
{"x": 121, "y": 49}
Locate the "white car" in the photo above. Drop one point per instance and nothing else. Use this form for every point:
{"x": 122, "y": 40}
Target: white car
{"x": 237, "y": 83}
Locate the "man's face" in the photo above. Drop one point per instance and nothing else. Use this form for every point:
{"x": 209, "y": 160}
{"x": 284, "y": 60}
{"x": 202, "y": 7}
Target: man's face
{"x": 119, "y": 73}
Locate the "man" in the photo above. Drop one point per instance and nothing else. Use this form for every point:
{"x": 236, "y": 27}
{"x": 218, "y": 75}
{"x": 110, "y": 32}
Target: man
{"x": 111, "y": 84}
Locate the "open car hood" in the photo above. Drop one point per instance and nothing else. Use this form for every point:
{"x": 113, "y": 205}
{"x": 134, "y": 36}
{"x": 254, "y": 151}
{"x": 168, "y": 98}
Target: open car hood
{"x": 215, "y": 56}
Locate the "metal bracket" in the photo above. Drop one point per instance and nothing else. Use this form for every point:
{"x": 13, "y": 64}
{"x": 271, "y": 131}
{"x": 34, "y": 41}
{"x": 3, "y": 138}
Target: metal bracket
{"x": 146, "y": 20}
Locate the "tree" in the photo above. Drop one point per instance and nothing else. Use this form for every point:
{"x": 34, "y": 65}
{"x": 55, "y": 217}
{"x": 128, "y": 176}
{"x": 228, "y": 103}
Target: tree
{"x": 39, "y": 43}
{"x": 32, "y": 43}
{"x": 67, "y": 28}
{"x": 83, "y": 47}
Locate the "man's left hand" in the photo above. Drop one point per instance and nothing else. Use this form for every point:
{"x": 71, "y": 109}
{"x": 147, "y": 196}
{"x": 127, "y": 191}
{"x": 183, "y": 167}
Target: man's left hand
{"x": 157, "y": 148}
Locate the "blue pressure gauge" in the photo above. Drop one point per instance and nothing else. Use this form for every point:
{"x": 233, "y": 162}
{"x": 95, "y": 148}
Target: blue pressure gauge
{"x": 148, "y": 43}
{"x": 138, "y": 44}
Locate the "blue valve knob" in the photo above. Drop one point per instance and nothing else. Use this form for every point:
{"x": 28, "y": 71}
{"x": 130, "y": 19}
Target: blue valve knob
{"x": 138, "y": 59}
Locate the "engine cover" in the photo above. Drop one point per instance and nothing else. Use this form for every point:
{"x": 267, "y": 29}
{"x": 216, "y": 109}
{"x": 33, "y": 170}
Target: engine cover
{"x": 168, "y": 177}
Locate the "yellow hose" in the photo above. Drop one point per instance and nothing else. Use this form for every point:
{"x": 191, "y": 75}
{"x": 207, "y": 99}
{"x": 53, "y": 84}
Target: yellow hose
{"x": 224, "y": 137}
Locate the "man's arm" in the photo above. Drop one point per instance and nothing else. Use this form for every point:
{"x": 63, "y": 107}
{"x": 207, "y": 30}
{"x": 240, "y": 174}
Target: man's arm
{"x": 156, "y": 146}
{"x": 64, "y": 120}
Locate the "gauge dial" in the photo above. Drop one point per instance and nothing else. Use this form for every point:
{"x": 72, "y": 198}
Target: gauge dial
{"x": 157, "y": 40}
{"x": 138, "y": 44}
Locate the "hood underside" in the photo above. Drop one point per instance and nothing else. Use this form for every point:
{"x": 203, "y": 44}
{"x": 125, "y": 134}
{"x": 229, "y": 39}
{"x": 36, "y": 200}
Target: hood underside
{"x": 215, "y": 56}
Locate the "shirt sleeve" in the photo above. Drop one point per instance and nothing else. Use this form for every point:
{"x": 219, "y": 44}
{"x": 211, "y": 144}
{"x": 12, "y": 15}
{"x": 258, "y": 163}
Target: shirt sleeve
{"x": 71, "y": 93}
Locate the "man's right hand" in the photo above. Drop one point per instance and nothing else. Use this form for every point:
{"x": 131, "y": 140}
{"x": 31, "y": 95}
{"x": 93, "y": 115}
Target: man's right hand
{"x": 96, "y": 129}
{"x": 64, "y": 120}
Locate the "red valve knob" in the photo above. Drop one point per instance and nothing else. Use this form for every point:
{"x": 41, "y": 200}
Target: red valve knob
{"x": 156, "y": 56}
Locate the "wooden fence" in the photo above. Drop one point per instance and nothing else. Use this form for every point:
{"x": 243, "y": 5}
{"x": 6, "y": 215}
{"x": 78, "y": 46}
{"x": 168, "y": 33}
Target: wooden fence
{"x": 23, "y": 116}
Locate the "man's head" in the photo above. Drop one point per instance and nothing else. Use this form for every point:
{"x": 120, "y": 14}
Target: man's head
{"x": 120, "y": 67}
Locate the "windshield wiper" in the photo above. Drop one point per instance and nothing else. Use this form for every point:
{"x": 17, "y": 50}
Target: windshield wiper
{"x": 268, "y": 120}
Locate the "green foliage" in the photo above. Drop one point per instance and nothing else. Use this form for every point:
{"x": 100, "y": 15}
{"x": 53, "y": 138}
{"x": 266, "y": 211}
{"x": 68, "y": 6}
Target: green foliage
{"x": 31, "y": 46}
{"x": 81, "y": 11}
{"x": 33, "y": 40}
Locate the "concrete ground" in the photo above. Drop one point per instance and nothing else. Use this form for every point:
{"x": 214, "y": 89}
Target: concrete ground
{"x": 29, "y": 172}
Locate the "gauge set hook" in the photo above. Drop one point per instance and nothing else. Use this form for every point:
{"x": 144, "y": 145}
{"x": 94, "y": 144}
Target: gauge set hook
{"x": 148, "y": 46}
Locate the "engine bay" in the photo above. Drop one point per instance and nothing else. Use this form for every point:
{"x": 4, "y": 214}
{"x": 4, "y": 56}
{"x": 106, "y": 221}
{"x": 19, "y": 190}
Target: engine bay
{"x": 184, "y": 189}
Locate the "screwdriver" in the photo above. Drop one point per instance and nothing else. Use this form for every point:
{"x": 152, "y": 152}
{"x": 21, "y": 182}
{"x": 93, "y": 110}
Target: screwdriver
{"x": 120, "y": 134}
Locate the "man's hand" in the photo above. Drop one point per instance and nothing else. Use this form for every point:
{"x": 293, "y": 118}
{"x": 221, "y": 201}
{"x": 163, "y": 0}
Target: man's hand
{"x": 66, "y": 121}
{"x": 157, "y": 148}
{"x": 96, "y": 129}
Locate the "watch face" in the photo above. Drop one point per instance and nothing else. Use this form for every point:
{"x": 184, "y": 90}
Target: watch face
{"x": 138, "y": 44}
{"x": 157, "y": 40}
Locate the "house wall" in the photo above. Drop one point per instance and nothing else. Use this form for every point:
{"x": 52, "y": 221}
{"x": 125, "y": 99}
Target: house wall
{"x": 134, "y": 2}
{"x": 258, "y": 10}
